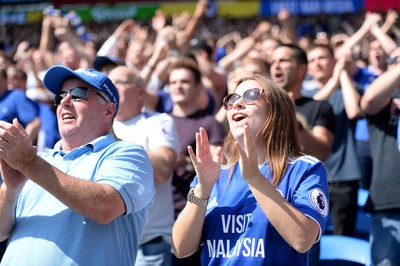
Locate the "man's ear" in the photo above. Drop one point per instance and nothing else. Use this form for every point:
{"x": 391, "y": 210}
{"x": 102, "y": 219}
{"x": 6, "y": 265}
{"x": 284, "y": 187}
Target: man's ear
{"x": 303, "y": 70}
{"x": 110, "y": 111}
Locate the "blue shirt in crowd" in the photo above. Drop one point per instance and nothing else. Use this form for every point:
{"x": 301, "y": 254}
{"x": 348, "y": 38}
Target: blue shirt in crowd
{"x": 49, "y": 233}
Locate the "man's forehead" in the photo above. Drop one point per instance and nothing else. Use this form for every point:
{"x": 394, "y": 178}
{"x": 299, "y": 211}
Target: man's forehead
{"x": 120, "y": 80}
{"x": 119, "y": 73}
{"x": 181, "y": 74}
{"x": 339, "y": 37}
{"x": 283, "y": 52}
{"x": 318, "y": 51}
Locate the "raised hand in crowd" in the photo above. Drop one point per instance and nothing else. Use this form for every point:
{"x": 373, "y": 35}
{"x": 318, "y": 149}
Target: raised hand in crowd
{"x": 122, "y": 34}
{"x": 59, "y": 27}
{"x": 158, "y": 21}
{"x": 288, "y": 32}
{"x": 390, "y": 21}
{"x": 179, "y": 21}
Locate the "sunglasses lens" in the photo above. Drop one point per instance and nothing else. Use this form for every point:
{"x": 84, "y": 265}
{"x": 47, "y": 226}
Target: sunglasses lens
{"x": 251, "y": 96}
{"x": 57, "y": 99}
{"x": 77, "y": 93}
{"x": 230, "y": 100}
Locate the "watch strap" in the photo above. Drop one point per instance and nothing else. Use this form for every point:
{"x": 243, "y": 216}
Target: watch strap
{"x": 196, "y": 200}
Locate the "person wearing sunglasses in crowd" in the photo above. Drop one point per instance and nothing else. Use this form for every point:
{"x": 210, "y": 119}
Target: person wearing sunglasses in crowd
{"x": 381, "y": 104}
{"x": 84, "y": 202}
{"x": 268, "y": 205}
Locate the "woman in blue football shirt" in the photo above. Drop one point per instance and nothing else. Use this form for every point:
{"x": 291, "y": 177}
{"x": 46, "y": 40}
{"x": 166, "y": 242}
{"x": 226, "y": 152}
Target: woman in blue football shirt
{"x": 269, "y": 205}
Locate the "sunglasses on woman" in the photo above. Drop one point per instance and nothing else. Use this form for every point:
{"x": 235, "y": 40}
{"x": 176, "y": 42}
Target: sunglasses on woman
{"x": 77, "y": 94}
{"x": 251, "y": 96}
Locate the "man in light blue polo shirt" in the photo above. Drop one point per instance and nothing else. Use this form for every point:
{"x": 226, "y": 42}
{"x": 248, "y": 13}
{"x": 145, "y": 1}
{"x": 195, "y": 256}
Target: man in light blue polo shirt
{"x": 86, "y": 201}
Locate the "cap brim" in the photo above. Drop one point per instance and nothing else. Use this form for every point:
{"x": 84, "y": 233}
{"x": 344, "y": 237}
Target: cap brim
{"x": 56, "y": 75}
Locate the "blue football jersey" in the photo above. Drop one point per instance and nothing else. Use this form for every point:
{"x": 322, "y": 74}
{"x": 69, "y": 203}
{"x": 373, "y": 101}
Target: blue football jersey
{"x": 236, "y": 230}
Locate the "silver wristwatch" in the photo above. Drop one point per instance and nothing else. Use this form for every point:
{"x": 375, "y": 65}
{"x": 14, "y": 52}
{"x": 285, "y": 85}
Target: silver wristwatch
{"x": 196, "y": 200}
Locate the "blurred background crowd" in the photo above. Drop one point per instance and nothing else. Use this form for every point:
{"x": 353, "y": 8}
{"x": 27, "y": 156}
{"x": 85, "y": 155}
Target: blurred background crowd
{"x": 225, "y": 38}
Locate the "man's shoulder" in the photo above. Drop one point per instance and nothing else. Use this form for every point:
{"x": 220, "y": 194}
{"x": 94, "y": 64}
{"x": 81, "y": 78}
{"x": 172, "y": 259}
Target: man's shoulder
{"x": 12, "y": 95}
{"x": 145, "y": 118}
{"x": 124, "y": 145}
{"x": 109, "y": 144}
{"x": 155, "y": 120}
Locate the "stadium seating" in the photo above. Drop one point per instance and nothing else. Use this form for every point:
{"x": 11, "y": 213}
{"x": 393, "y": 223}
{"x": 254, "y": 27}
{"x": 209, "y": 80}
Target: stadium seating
{"x": 344, "y": 250}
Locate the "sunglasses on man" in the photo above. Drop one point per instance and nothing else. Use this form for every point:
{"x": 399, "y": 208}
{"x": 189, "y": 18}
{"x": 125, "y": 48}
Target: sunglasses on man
{"x": 77, "y": 94}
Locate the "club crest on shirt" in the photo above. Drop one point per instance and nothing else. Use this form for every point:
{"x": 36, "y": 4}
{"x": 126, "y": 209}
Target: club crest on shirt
{"x": 319, "y": 201}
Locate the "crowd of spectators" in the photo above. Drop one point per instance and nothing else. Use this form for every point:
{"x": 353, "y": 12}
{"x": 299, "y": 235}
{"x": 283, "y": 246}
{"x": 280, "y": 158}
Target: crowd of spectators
{"x": 12, "y": 35}
{"x": 346, "y": 51}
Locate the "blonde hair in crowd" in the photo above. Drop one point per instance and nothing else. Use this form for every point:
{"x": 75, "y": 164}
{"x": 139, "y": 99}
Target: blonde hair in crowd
{"x": 279, "y": 132}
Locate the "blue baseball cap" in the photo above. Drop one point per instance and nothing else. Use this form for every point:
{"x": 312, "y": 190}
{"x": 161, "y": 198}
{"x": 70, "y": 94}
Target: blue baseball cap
{"x": 56, "y": 75}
